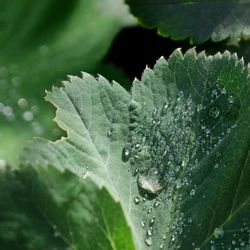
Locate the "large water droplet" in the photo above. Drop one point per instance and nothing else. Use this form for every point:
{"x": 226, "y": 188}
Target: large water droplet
{"x": 149, "y": 184}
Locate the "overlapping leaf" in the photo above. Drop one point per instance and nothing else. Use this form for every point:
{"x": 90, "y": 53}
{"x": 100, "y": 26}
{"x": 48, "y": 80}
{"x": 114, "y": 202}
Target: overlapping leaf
{"x": 48, "y": 208}
{"x": 199, "y": 20}
{"x": 175, "y": 152}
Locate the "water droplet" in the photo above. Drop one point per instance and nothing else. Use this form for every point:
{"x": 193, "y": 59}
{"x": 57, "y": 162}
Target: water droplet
{"x": 152, "y": 221}
{"x": 192, "y": 192}
{"x": 216, "y": 165}
{"x": 230, "y": 99}
{"x": 242, "y": 243}
{"x": 218, "y": 233}
{"x": 28, "y": 116}
{"x": 136, "y": 200}
{"x": 156, "y": 203}
{"x": 173, "y": 238}
{"x": 143, "y": 224}
{"x": 223, "y": 91}
{"x": 199, "y": 107}
{"x": 56, "y": 233}
{"x": 149, "y": 211}
{"x": 22, "y": 103}
{"x": 214, "y": 112}
{"x": 109, "y": 133}
{"x": 126, "y": 153}
{"x": 148, "y": 241}
{"x": 8, "y": 113}
{"x": 149, "y": 184}
{"x": 149, "y": 232}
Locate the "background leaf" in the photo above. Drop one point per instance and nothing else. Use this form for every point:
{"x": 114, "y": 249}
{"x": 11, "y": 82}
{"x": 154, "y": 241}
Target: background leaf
{"x": 41, "y": 43}
{"x": 198, "y": 20}
{"x": 47, "y": 208}
{"x": 173, "y": 152}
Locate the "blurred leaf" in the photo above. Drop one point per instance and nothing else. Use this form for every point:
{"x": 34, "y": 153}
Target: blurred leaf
{"x": 41, "y": 42}
{"x": 175, "y": 151}
{"x": 47, "y": 208}
{"x": 198, "y": 20}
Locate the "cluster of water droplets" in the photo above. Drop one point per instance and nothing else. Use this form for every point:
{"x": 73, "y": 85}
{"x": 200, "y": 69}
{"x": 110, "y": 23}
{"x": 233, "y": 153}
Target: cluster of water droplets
{"x": 228, "y": 239}
{"x": 165, "y": 146}
{"x": 14, "y": 106}
{"x": 156, "y": 150}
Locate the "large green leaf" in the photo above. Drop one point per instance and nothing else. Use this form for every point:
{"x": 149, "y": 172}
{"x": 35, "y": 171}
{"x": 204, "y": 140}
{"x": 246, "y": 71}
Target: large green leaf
{"x": 40, "y": 44}
{"x": 199, "y": 20}
{"x": 175, "y": 151}
{"x": 48, "y": 208}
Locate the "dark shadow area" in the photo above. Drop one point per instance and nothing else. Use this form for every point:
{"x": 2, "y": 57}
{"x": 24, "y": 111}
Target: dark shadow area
{"x": 135, "y": 47}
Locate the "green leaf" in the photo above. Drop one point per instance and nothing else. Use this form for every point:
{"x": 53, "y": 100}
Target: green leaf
{"x": 198, "y": 20}
{"x": 174, "y": 152}
{"x": 40, "y": 44}
{"x": 48, "y": 208}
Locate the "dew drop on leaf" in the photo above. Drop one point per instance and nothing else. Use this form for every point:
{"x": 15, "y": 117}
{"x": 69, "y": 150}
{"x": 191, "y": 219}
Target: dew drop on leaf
{"x": 136, "y": 200}
{"x": 148, "y": 241}
{"x": 156, "y": 203}
{"x": 109, "y": 133}
{"x": 143, "y": 224}
{"x": 149, "y": 232}
{"x": 218, "y": 233}
{"x": 216, "y": 165}
{"x": 152, "y": 221}
{"x": 149, "y": 211}
{"x": 126, "y": 153}
{"x": 199, "y": 107}
{"x": 192, "y": 192}
{"x": 230, "y": 99}
{"x": 223, "y": 91}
